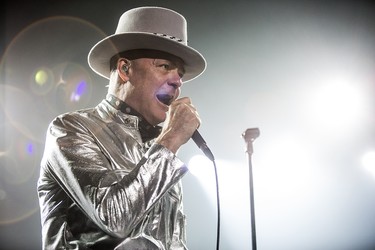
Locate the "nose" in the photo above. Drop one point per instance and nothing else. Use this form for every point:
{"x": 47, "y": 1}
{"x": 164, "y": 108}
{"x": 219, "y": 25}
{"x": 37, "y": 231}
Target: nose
{"x": 176, "y": 79}
{"x": 175, "y": 85}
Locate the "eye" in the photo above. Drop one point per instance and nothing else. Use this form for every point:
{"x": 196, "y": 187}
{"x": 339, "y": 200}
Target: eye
{"x": 165, "y": 66}
{"x": 169, "y": 66}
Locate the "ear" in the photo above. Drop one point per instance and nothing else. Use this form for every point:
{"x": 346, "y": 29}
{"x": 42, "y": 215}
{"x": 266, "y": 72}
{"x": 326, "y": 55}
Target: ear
{"x": 123, "y": 66}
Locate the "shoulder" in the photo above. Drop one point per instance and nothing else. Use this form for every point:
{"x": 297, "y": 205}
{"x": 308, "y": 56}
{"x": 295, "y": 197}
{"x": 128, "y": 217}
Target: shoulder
{"x": 99, "y": 112}
{"x": 72, "y": 120}
{"x": 72, "y": 116}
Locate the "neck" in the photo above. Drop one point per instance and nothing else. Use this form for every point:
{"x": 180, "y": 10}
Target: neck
{"x": 147, "y": 130}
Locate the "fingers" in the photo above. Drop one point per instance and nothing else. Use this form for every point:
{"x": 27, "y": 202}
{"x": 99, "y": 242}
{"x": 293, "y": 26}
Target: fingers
{"x": 182, "y": 120}
{"x": 195, "y": 113}
{"x": 184, "y": 107}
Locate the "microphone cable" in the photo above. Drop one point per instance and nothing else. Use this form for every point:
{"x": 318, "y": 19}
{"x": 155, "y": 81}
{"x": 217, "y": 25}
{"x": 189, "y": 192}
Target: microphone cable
{"x": 201, "y": 143}
{"x": 217, "y": 206}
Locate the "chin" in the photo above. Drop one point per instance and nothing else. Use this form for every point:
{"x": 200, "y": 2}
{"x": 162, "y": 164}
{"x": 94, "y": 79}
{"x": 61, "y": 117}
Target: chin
{"x": 161, "y": 118}
{"x": 156, "y": 119}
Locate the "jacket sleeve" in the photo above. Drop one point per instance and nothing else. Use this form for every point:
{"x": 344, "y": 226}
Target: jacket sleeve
{"x": 113, "y": 192}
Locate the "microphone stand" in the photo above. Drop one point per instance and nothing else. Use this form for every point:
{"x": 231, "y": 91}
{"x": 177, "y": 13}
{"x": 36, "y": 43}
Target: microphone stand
{"x": 250, "y": 135}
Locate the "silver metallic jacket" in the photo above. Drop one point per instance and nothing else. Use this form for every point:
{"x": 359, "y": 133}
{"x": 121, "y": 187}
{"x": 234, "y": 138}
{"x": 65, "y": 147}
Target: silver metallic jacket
{"x": 101, "y": 187}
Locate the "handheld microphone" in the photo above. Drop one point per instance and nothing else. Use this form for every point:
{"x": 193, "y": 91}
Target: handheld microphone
{"x": 198, "y": 139}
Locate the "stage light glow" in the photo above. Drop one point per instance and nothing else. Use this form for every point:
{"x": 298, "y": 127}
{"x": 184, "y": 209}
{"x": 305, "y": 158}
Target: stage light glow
{"x": 202, "y": 169}
{"x": 285, "y": 166}
{"x": 368, "y": 161}
{"x": 233, "y": 192}
{"x": 338, "y": 105}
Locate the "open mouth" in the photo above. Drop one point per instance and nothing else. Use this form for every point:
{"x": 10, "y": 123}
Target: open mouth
{"x": 165, "y": 99}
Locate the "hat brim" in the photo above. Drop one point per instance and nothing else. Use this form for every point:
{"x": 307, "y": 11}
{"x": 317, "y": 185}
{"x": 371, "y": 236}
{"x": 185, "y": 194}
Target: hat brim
{"x": 100, "y": 55}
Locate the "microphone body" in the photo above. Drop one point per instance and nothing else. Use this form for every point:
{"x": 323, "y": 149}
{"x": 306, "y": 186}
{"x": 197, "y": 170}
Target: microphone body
{"x": 201, "y": 143}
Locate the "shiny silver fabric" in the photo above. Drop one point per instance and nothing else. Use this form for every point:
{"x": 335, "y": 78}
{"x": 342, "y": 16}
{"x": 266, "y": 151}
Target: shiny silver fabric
{"x": 100, "y": 187}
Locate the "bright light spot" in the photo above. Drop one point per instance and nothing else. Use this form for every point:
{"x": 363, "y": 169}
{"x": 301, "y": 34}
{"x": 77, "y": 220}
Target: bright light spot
{"x": 41, "y": 77}
{"x": 338, "y": 105}
{"x": 233, "y": 192}
{"x": 285, "y": 170}
{"x": 368, "y": 161}
{"x": 202, "y": 168}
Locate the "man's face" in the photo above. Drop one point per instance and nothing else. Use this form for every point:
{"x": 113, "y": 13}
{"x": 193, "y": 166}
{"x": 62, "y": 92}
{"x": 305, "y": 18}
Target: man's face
{"x": 155, "y": 84}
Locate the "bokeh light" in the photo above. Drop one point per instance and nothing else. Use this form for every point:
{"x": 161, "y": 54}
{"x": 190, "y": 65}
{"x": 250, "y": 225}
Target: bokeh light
{"x": 72, "y": 90}
{"x": 42, "y": 81}
{"x": 41, "y": 77}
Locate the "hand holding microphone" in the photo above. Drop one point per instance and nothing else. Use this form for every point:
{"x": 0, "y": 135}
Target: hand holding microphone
{"x": 181, "y": 125}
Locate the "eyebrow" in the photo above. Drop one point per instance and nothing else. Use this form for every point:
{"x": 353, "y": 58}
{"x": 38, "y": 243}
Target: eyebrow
{"x": 174, "y": 63}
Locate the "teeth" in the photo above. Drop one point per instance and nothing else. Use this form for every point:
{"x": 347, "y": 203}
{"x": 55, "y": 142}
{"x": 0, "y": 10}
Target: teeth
{"x": 165, "y": 98}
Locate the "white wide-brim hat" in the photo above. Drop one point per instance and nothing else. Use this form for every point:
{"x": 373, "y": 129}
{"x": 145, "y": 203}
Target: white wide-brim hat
{"x": 148, "y": 28}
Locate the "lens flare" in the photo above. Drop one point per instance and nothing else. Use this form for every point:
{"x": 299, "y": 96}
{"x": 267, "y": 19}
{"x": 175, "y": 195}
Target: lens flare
{"x": 80, "y": 90}
{"x": 41, "y": 77}
{"x": 30, "y": 148}
{"x": 42, "y": 81}
{"x": 39, "y": 72}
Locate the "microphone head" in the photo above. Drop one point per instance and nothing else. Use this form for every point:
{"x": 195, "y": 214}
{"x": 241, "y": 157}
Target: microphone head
{"x": 251, "y": 134}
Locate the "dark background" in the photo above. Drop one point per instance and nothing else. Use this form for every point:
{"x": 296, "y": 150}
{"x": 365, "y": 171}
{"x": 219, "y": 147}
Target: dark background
{"x": 301, "y": 71}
